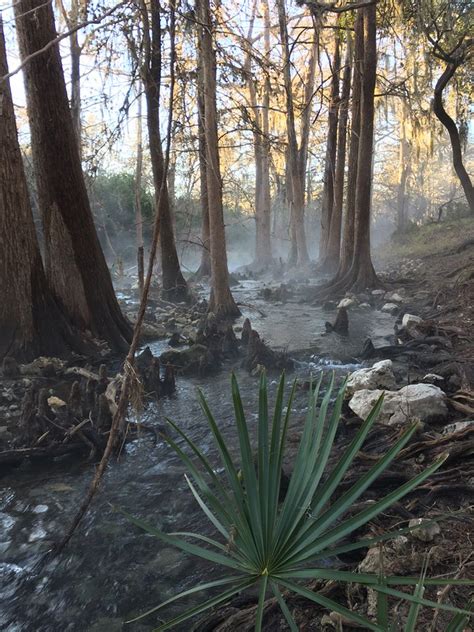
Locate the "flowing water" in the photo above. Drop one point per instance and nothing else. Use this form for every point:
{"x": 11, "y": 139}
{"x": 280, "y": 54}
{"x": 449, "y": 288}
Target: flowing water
{"x": 111, "y": 570}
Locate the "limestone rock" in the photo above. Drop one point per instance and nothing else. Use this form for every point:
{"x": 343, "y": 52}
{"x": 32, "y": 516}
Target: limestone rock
{"x": 410, "y": 319}
{"x": 346, "y": 302}
{"x": 390, "y": 308}
{"x": 394, "y": 297}
{"x": 424, "y": 402}
{"x": 380, "y": 375}
{"x": 426, "y": 530}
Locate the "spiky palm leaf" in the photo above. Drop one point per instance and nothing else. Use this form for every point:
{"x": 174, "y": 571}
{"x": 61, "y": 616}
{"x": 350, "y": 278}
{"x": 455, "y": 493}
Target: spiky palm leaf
{"x": 273, "y": 543}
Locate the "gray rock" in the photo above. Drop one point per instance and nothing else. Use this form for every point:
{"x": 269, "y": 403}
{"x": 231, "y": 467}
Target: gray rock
{"x": 346, "y": 302}
{"x": 432, "y": 378}
{"x": 424, "y": 402}
{"x": 378, "y": 293}
{"x": 426, "y": 530}
{"x": 410, "y": 319}
{"x": 380, "y": 375}
{"x": 394, "y": 297}
{"x": 456, "y": 427}
{"x": 390, "y": 308}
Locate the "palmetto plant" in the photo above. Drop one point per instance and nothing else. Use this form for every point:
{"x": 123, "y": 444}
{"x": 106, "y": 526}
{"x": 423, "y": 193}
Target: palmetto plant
{"x": 272, "y": 544}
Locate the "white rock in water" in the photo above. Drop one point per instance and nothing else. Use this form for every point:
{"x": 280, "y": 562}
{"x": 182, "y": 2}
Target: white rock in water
{"x": 394, "y": 297}
{"x": 346, "y": 302}
{"x": 378, "y": 292}
{"x": 55, "y": 403}
{"x": 426, "y": 530}
{"x": 390, "y": 308}
{"x": 424, "y": 402}
{"x": 410, "y": 319}
{"x": 380, "y": 375}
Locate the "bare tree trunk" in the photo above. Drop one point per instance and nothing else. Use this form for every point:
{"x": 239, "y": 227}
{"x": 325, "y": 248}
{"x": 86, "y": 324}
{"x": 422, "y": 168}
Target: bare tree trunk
{"x": 205, "y": 265}
{"x": 453, "y": 132}
{"x": 261, "y": 123}
{"x": 31, "y": 322}
{"x": 221, "y": 301}
{"x": 75, "y": 264}
{"x": 174, "y": 284}
{"x": 334, "y": 239}
{"x": 347, "y": 245}
{"x": 138, "y": 196}
{"x": 297, "y": 227}
{"x": 330, "y": 161}
{"x": 362, "y": 271}
{"x": 403, "y": 170}
{"x": 76, "y": 15}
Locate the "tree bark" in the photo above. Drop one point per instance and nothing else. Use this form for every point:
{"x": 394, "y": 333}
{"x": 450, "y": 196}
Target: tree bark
{"x": 334, "y": 238}
{"x": 403, "y": 171}
{"x": 362, "y": 271}
{"x": 205, "y": 265}
{"x": 221, "y": 301}
{"x": 138, "y": 197}
{"x": 174, "y": 284}
{"x": 261, "y": 123}
{"x": 347, "y": 244}
{"x": 299, "y": 251}
{"x": 31, "y": 322}
{"x": 330, "y": 161}
{"x": 453, "y": 132}
{"x": 75, "y": 265}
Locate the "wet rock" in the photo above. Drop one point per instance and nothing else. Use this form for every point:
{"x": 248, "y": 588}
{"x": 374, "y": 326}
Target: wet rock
{"x": 341, "y": 324}
{"x": 426, "y": 530}
{"x": 346, "y": 302}
{"x": 423, "y": 402}
{"x": 394, "y": 298}
{"x": 379, "y": 376}
{"x": 409, "y": 320}
{"x": 390, "y": 308}
{"x": 365, "y": 305}
{"x": 378, "y": 293}
{"x": 175, "y": 340}
{"x": 192, "y": 360}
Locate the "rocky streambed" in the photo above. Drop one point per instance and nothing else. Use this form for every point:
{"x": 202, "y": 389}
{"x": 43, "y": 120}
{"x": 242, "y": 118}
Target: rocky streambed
{"x": 111, "y": 571}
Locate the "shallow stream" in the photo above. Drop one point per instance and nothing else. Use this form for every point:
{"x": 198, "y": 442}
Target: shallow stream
{"x": 111, "y": 571}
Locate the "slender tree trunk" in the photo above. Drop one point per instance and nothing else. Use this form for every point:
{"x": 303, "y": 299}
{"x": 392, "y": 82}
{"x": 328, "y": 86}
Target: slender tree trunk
{"x": 31, "y": 322}
{"x": 205, "y": 265}
{"x": 174, "y": 284}
{"x": 334, "y": 239}
{"x": 347, "y": 244}
{"x": 297, "y": 227}
{"x": 363, "y": 274}
{"x": 403, "y": 170}
{"x": 75, "y": 265}
{"x": 138, "y": 196}
{"x": 453, "y": 132}
{"x": 76, "y": 51}
{"x": 263, "y": 247}
{"x": 221, "y": 301}
{"x": 330, "y": 161}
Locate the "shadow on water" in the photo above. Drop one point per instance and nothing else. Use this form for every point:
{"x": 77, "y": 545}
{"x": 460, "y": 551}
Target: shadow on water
{"x": 111, "y": 570}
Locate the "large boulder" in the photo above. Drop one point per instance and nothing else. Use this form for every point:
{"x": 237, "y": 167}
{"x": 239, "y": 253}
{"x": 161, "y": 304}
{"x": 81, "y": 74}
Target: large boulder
{"x": 378, "y": 376}
{"x": 425, "y": 402}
